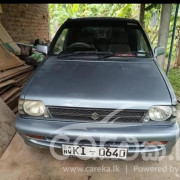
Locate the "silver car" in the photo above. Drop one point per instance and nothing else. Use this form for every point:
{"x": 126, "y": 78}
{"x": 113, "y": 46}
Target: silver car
{"x": 99, "y": 93}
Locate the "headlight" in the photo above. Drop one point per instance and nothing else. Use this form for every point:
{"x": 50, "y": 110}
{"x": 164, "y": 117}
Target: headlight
{"x": 32, "y": 108}
{"x": 161, "y": 113}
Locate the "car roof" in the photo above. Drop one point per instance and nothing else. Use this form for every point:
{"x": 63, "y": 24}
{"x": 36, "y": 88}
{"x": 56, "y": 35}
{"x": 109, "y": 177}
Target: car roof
{"x": 101, "y": 20}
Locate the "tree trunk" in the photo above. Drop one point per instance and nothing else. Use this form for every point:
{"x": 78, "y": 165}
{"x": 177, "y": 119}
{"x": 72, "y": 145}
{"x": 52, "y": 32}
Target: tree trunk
{"x": 178, "y": 55}
{"x": 164, "y": 30}
{"x": 141, "y": 14}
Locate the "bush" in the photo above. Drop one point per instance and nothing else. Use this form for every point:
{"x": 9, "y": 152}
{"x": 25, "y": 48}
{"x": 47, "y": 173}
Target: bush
{"x": 174, "y": 77}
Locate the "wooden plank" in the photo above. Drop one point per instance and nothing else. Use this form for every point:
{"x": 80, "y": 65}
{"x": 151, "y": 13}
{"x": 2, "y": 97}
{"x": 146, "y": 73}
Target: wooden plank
{"x": 14, "y": 75}
{"x": 22, "y": 82}
{"x": 14, "y": 72}
{"x": 5, "y": 96}
{"x": 6, "y": 38}
{"x": 22, "y": 77}
{"x": 6, "y": 83}
{"x": 13, "y": 104}
{"x": 7, "y": 59}
{"x": 7, "y": 130}
{"x": 12, "y": 98}
{"x": 5, "y": 89}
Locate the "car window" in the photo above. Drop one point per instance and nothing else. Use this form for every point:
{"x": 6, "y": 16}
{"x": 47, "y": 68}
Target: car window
{"x": 59, "y": 46}
{"x": 122, "y": 41}
{"x": 141, "y": 43}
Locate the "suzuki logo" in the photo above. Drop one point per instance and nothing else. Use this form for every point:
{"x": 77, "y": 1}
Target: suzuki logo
{"x": 95, "y": 116}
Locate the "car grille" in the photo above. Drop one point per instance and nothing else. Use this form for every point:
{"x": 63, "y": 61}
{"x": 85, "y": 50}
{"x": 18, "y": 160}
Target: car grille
{"x": 94, "y": 114}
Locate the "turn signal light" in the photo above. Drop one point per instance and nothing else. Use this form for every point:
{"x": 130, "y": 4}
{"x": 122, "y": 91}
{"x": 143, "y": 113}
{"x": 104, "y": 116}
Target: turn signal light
{"x": 156, "y": 143}
{"x": 35, "y": 136}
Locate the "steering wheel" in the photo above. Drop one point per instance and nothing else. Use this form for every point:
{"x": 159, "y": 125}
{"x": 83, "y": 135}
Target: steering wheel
{"x": 80, "y": 45}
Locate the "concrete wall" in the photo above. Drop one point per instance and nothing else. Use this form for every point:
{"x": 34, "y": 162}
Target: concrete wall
{"x": 25, "y": 22}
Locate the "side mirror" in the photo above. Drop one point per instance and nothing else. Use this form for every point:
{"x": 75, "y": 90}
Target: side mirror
{"x": 159, "y": 51}
{"x": 42, "y": 48}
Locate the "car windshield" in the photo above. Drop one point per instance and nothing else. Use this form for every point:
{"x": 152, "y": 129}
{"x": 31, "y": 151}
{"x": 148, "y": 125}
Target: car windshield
{"x": 118, "y": 41}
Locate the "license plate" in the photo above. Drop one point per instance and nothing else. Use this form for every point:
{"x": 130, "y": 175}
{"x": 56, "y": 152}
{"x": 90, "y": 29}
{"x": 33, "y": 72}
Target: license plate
{"x": 86, "y": 151}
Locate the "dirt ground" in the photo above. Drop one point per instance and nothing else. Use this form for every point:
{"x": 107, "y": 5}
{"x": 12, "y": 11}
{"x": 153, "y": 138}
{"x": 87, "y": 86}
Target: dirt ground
{"x": 23, "y": 162}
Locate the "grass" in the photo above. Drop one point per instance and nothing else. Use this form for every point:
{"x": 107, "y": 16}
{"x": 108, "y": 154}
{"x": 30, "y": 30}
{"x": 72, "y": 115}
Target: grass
{"x": 174, "y": 78}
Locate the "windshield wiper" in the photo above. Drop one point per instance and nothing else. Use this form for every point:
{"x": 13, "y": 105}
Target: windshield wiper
{"x": 85, "y": 53}
{"x": 106, "y": 56}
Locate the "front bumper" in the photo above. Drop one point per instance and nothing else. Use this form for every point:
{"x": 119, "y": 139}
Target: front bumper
{"x": 112, "y": 134}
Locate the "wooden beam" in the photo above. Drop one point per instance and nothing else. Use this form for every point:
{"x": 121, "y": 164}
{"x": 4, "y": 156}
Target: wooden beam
{"x": 6, "y": 83}
{"x": 141, "y": 14}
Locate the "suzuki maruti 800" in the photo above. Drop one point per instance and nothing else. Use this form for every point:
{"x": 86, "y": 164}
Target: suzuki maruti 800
{"x": 100, "y": 82}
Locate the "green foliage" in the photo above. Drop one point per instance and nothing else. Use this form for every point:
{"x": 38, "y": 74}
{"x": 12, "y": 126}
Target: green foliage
{"x": 60, "y": 12}
{"x": 170, "y": 33}
{"x": 125, "y": 11}
{"x": 152, "y": 32}
{"x": 174, "y": 77}
{"x": 38, "y": 56}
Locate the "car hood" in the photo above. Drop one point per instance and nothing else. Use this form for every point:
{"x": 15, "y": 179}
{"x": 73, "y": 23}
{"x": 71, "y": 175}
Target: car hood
{"x": 125, "y": 83}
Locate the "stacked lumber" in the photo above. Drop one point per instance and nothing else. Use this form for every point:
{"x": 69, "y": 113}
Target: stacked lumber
{"x": 13, "y": 75}
{"x": 13, "y": 71}
{"x": 11, "y": 83}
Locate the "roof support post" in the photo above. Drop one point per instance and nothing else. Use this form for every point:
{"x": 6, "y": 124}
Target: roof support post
{"x": 164, "y": 30}
{"x": 141, "y": 15}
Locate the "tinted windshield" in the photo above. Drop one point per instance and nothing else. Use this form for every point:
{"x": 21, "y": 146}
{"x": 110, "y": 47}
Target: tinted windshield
{"x": 121, "y": 41}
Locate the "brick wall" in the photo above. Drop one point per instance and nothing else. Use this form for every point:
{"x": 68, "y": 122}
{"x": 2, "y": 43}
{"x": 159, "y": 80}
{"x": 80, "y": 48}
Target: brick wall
{"x": 25, "y": 22}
